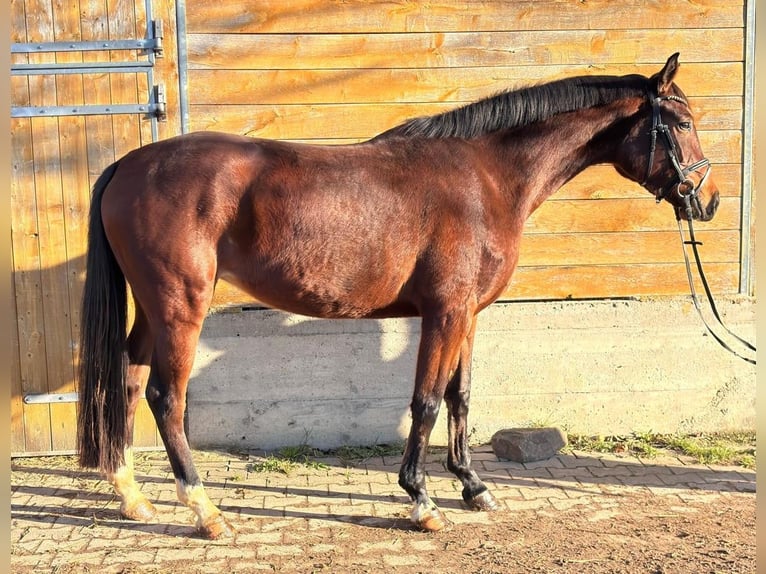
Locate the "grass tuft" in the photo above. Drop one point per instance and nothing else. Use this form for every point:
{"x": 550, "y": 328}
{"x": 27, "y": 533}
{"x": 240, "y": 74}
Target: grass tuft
{"x": 723, "y": 448}
{"x": 287, "y": 459}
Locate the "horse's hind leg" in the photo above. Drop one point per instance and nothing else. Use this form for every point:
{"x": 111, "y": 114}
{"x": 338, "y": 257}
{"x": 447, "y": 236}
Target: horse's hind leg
{"x": 134, "y": 504}
{"x": 457, "y": 396}
{"x": 175, "y": 345}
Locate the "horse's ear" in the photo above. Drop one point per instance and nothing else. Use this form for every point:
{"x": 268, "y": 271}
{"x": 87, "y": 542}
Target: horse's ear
{"x": 665, "y": 76}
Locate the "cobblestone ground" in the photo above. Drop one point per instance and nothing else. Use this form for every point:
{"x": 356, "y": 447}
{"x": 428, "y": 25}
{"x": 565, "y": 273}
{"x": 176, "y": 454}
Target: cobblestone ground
{"x": 579, "y": 512}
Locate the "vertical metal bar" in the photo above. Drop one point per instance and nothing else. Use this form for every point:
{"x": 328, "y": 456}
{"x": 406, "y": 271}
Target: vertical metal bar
{"x": 149, "y": 19}
{"x": 183, "y": 81}
{"x": 150, "y": 72}
{"x": 746, "y": 281}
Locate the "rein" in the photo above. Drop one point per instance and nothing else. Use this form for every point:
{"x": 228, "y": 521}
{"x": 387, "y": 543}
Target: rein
{"x": 688, "y": 192}
{"x": 693, "y": 242}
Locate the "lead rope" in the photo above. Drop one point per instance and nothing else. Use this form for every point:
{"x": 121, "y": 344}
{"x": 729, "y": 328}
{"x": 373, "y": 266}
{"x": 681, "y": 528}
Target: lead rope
{"x": 693, "y": 242}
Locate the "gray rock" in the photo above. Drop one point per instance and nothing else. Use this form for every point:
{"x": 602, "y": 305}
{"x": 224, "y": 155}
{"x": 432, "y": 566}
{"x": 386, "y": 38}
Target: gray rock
{"x": 527, "y": 444}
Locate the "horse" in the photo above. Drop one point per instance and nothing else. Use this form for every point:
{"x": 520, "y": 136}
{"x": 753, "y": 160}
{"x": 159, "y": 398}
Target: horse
{"x": 423, "y": 220}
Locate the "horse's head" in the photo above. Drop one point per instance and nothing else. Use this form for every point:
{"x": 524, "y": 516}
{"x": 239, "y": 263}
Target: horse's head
{"x": 663, "y": 152}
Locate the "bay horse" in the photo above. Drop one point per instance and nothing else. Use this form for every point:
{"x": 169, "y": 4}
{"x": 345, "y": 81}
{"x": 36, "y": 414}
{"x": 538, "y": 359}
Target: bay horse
{"x": 422, "y": 220}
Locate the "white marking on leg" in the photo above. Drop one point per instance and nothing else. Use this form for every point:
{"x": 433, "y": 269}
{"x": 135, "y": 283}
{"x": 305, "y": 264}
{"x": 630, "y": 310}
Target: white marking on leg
{"x": 133, "y": 504}
{"x": 122, "y": 479}
{"x": 422, "y": 511}
{"x": 428, "y": 516}
{"x": 195, "y": 497}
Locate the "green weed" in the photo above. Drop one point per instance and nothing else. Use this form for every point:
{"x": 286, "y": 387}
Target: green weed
{"x": 733, "y": 448}
{"x": 360, "y": 454}
{"x": 287, "y": 459}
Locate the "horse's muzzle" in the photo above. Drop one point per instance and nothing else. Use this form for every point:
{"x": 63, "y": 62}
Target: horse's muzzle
{"x": 699, "y": 212}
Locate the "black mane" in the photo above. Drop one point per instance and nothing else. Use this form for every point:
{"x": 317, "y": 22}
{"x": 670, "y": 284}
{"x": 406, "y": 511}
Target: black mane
{"x": 517, "y": 108}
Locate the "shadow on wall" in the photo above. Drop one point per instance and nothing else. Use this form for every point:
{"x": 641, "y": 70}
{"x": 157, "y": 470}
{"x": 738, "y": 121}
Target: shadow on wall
{"x": 265, "y": 379}
{"x": 262, "y": 378}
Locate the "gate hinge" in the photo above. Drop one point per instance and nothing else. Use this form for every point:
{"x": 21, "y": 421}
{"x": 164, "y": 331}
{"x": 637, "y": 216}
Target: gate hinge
{"x": 44, "y": 399}
{"x": 159, "y": 105}
{"x": 156, "y": 108}
{"x": 157, "y": 35}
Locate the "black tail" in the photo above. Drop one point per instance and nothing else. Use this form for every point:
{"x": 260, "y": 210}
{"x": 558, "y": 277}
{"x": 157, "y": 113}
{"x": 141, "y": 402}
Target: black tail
{"x": 102, "y": 414}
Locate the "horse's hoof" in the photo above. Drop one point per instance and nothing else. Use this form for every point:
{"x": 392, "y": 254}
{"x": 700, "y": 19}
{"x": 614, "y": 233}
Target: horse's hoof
{"x": 429, "y": 518}
{"x": 484, "y": 501}
{"x": 141, "y": 511}
{"x": 216, "y": 528}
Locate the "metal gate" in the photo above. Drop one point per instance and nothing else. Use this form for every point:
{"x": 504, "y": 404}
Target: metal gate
{"x": 88, "y": 84}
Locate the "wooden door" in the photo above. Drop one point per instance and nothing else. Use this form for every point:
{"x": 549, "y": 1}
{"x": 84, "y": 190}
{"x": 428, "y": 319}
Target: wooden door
{"x": 64, "y": 132}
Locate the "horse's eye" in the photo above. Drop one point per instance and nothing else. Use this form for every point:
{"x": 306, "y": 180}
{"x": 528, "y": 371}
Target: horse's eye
{"x": 685, "y": 126}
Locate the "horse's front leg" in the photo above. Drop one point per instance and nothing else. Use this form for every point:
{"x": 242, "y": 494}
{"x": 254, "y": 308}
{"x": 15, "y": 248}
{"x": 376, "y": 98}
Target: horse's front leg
{"x": 438, "y": 356}
{"x": 457, "y": 396}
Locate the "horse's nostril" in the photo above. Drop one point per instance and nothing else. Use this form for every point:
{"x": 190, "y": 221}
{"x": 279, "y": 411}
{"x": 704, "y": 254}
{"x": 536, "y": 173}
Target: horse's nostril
{"x": 713, "y": 205}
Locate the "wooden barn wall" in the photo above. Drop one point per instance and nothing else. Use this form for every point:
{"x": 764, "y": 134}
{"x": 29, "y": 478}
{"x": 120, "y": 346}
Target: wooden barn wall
{"x": 55, "y": 162}
{"x": 336, "y": 72}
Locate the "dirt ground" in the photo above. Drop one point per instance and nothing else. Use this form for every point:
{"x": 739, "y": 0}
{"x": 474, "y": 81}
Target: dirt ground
{"x": 577, "y": 513}
{"x": 639, "y": 536}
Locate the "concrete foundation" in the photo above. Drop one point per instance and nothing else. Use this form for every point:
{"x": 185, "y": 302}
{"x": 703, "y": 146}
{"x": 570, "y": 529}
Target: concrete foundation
{"x": 264, "y": 379}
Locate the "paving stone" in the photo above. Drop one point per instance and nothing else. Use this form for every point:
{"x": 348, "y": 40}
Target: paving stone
{"x": 572, "y": 461}
{"x": 583, "y": 489}
{"x": 502, "y": 466}
{"x": 527, "y": 444}
{"x": 470, "y": 517}
{"x": 530, "y": 473}
{"x": 136, "y": 556}
{"x": 394, "y": 545}
{"x": 178, "y": 554}
{"x": 394, "y": 560}
{"x": 745, "y": 486}
{"x": 322, "y": 522}
{"x": 267, "y": 550}
{"x": 573, "y": 472}
{"x": 642, "y": 480}
{"x": 259, "y": 538}
{"x": 28, "y": 547}
{"x": 544, "y": 464}
{"x": 246, "y": 567}
{"x": 543, "y": 492}
{"x": 681, "y": 480}
{"x": 89, "y": 558}
{"x": 569, "y": 503}
{"x": 38, "y": 562}
{"x": 611, "y": 471}
{"x": 600, "y": 515}
{"x": 323, "y": 548}
{"x": 223, "y": 552}
{"x": 662, "y": 490}
{"x": 423, "y": 545}
{"x": 508, "y": 492}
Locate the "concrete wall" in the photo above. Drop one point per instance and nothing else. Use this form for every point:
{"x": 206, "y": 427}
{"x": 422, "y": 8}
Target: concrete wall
{"x": 265, "y": 379}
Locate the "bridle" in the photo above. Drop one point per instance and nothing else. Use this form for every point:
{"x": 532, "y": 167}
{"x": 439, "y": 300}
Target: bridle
{"x": 688, "y": 193}
{"x": 685, "y": 186}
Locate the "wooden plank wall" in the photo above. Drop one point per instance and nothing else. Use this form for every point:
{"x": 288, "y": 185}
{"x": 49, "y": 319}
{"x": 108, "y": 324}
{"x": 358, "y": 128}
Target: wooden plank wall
{"x": 55, "y": 162}
{"x": 337, "y": 72}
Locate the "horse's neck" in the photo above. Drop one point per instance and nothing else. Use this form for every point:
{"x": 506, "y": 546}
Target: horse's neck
{"x": 545, "y": 156}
